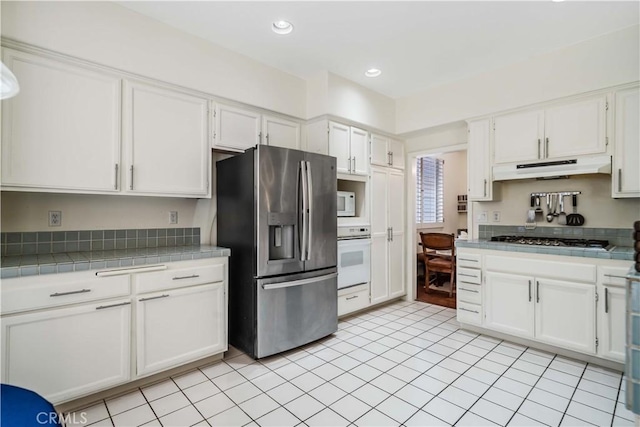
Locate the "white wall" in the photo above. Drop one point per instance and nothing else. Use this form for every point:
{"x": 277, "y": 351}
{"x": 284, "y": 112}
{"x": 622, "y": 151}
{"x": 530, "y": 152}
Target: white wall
{"x": 439, "y": 136}
{"x": 598, "y": 63}
{"x": 112, "y": 35}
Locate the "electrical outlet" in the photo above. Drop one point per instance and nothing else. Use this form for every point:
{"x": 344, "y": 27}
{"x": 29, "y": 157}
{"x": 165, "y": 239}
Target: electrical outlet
{"x": 496, "y": 216}
{"x": 55, "y": 218}
{"x": 482, "y": 216}
{"x": 173, "y": 217}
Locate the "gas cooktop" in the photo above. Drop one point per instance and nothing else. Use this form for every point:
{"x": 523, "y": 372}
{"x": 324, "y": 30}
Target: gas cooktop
{"x": 553, "y": 241}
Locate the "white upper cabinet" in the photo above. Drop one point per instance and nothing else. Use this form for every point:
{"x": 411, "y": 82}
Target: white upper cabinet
{"x": 236, "y": 129}
{"x": 339, "y": 137}
{"x": 575, "y": 129}
{"x": 359, "y": 151}
{"x": 317, "y": 137}
{"x": 62, "y": 131}
{"x": 626, "y": 173}
{"x": 478, "y": 160}
{"x": 386, "y": 152}
{"x": 559, "y": 131}
{"x": 166, "y": 142}
{"x": 280, "y": 133}
{"x": 518, "y": 137}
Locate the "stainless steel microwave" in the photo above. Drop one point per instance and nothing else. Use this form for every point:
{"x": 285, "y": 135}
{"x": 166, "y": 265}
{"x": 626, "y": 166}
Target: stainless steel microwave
{"x": 346, "y": 203}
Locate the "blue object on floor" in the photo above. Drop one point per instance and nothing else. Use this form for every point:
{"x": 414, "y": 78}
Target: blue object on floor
{"x": 20, "y": 407}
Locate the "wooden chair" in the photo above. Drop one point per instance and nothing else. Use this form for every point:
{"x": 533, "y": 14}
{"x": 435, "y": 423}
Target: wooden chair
{"x": 435, "y": 262}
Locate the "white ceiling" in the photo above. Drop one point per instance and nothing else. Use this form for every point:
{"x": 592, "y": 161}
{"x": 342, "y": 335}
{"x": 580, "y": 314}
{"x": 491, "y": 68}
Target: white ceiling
{"x": 416, "y": 44}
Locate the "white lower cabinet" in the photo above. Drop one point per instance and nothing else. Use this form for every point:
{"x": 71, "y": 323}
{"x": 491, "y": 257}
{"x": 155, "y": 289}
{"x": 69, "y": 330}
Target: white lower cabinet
{"x": 179, "y": 326}
{"x": 612, "y": 307}
{"x": 508, "y": 304}
{"x": 68, "y": 352}
{"x": 353, "y": 299}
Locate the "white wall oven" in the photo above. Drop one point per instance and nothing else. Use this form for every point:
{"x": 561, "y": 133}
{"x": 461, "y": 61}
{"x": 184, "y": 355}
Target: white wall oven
{"x": 354, "y": 256}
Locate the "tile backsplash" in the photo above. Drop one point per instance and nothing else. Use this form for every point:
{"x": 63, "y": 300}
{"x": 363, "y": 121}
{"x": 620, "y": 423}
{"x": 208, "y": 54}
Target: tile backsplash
{"x": 615, "y": 236}
{"x": 48, "y": 242}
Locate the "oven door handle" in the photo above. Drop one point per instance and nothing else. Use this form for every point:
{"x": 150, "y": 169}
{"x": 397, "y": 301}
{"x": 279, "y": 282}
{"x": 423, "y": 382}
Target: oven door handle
{"x": 300, "y": 282}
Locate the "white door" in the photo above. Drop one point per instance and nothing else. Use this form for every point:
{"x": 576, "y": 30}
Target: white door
{"x": 576, "y": 129}
{"x": 612, "y": 338}
{"x": 66, "y": 353}
{"x": 396, "y": 208}
{"x": 236, "y": 129}
{"x": 396, "y": 148}
{"x": 379, "y": 150}
{"x": 360, "y": 151}
{"x": 478, "y": 161}
{"x": 339, "y": 146}
{"x": 379, "y": 235}
{"x": 166, "y": 139}
{"x": 508, "y": 304}
{"x": 626, "y": 173}
{"x": 62, "y": 132}
{"x": 179, "y": 326}
{"x": 566, "y": 314}
{"x": 518, "y": 137}
{"x": 281, "y": 133}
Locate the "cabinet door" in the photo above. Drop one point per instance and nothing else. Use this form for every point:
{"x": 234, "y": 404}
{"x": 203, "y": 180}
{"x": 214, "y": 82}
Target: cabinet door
{"x": 626, "y": 173}
{"x": 518, "y": 137}
{"x": 576, "y": 129}
{"x": 395, "y": 206}
{"x": 62, "y": 132}
{"x": 339, "y": 146}
{"x": 281, "y": 133}
{"x": 612, "y": 337}
{"x": 236, "y": 129}
{"x": 166, "y": 135}
{"x": 566, "y": 314}
{"x": 379, "y": 235}
{"x": 68, "y": 352}
{"x": 317, "y": 137}
{"x": 479, "y": 178}
{"x": 508, "y": 304}
{"x": 380, "y": 150}
{"x": 397, "y": 154}
{"x": 179, "y": 326}
{"x": 396, "y": 265}
{"x": 360, "y": 151}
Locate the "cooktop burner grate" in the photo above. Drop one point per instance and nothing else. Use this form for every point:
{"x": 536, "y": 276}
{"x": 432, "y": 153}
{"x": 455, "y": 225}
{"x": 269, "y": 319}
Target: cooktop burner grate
{"x": 552, "y": 241}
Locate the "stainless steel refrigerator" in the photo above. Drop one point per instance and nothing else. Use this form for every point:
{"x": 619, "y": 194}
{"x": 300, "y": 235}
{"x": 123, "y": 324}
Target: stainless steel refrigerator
{"x": 277, "y": 213}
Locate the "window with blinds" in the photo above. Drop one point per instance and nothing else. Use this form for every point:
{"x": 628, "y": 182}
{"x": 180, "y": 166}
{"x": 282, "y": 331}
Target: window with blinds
{"x": 430, "y": 190}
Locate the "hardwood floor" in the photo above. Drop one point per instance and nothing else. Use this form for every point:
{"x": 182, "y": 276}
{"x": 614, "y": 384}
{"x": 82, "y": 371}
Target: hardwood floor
{"x": 434, "y": 297}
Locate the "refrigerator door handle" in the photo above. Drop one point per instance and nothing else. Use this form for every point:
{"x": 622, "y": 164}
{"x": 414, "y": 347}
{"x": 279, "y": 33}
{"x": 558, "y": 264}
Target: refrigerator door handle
{"x": 305, "y": 211}
{"x": 310, "y": 208}
{"x": 299, "y": 282}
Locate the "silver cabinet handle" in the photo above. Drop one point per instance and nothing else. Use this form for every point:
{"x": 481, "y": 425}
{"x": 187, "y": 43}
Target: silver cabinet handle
{"x": 193, "y": 276}
{"x": 485, "y": 188}
{"x": 354, "y": 164}
{"x": 606, "y": 300}
{"x": 470, "y": 311}
{"x": 267, "y": 138}
{"x": 392, "y": 158}
{"x": 537, "y": 291}
{"x": 539, "y": 144}
{"x": 391, "y": 234}
{"x": 349, "y": 160}
{"x": 529, "y": 290}
{"x": 613, "y": 275}
{"x": 546, "y": 149}
{"x": 470, "y": 260}
{"x": 353, "y": 297}
{"x": 116, "y": 180}
{"x": 389, "y": 158}
{"x": 101, "y": 307}
{"x": 158, "y": 297}
{"x": 131, "y": 184}
{"x": 469, "y": 290}
{"x": 619, "y": 180}
{"x": 60, "y": 294}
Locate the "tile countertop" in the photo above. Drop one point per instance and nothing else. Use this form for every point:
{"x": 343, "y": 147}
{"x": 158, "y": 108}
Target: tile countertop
{"x": 617, "y": 252}
{"x": 29, "y": 265}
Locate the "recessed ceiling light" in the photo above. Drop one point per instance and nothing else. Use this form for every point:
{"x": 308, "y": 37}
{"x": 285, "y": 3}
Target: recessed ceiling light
{"x": 372, "y": 72}
{"x": 557, "y": 1}
{"x": 282, "y": 27}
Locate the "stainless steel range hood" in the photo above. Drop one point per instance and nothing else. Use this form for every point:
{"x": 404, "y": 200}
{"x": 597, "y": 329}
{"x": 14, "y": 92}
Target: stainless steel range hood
{"x": 549, "y": 169}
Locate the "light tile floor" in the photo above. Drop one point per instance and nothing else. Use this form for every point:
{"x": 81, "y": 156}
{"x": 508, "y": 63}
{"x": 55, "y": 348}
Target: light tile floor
{"x": 406, "y": 363}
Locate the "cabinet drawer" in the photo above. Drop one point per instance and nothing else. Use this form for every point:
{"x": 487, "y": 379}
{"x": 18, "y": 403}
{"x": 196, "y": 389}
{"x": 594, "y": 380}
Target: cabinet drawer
{"x": 468, "y": 292}
{"x": 348, "y": 303}
{"x": 469, "y": 260}
{"x": 178, "y": 277}
{"x": 469, "y": 313}
{"x": 35, "y": 292}
{"x": 469, "y": 276}
{"x": 613, "y": 275}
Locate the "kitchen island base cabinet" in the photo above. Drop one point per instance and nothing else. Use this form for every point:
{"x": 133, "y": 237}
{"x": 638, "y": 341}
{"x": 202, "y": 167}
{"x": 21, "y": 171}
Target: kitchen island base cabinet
{"x": 179, "y": 326}
{"x": 69, "y": 352}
